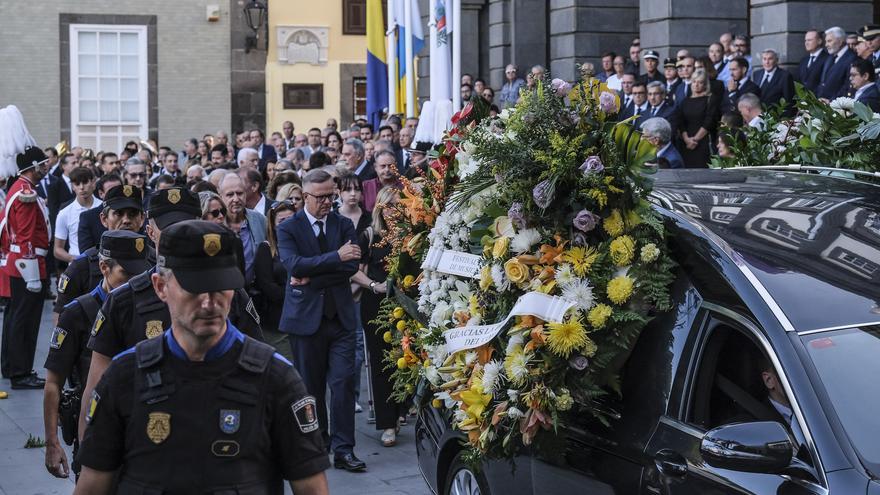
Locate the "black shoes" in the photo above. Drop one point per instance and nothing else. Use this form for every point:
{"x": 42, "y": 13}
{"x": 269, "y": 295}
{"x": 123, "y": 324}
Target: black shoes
{"x": 29, "y": 382}
{"x": 349, "y": 462}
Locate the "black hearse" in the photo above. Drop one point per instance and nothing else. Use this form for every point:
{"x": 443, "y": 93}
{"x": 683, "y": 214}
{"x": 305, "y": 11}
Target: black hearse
{"x": 779, "y": 271}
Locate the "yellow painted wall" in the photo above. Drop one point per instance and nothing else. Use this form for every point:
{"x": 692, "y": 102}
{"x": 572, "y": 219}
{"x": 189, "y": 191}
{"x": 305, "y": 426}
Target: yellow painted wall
{"x": 343, "y": 49}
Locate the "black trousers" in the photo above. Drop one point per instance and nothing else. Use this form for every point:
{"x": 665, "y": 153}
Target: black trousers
{"x": 387, "y": 411}
{"x": 21, "y": 325}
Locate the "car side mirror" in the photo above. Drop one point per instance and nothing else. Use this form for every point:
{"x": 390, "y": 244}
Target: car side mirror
{"x": 756, "y": 447}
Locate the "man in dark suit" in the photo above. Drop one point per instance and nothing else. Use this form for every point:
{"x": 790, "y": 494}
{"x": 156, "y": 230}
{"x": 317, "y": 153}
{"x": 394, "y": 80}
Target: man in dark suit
{"x": 660, "y": 106}
{"x": 267, "y": 153}
{"x": 356, "y": 157}
{"x": 738, "y": 84}
{"x": 685, "y": 68}
{"x": 835, "y": 72}
{"x": 810, "y": 67}
{"x": 318, "y": 248}
{"x": 658, "y": 132}
{"x": 90, "y": 227}
{"x": 863, "y": 80}
{"x": 626, "y": 100}
{"x": 774, "y": 82}
{"x": 60, "y": 192}
{"x": 638, "y": 104}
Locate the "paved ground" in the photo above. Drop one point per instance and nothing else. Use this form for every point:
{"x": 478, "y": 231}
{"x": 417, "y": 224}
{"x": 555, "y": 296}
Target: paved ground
{"x": 390, "y": 470}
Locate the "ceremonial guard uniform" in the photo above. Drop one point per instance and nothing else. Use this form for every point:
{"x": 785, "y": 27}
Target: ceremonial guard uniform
{"x": 68, "y": 355}
{"x": 83, "y": 273}
{"x": 240, "y": 421}
{"x": 133, "y": 312}
{"x": 24, "y": 243}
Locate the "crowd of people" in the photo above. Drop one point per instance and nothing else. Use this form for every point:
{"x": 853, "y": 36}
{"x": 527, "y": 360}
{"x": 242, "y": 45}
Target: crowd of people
{"x": 696, "y": 96}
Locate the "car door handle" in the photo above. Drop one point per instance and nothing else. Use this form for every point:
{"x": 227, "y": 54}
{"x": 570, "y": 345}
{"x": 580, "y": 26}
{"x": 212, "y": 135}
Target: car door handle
{"x": 670, "y": 463}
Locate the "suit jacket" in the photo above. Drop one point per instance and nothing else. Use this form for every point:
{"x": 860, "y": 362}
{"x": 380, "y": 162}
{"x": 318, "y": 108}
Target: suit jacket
{"x": 682, "y": 91}
{"x": 732, "y": 97}
{"x": 90, "y": 229}
{"x": 666, "y": 111}
{"x": 871, "y": 97}
{"x": 369, "y": 172}
{"x": 59, "y": 196}
{"x": 811, "y": 76}
{"x": 835, "y": 76}
{"x": 625, "y": 108}
{"x": 671, "y": 90}
{"x": 267, "y": 154}
{"x": 630, "y": 111}
{"x": 658, "y": 76}
{"x": 781, "y": 86}
{"x": 672, "y": 156}
{"x": 329, "y": 276}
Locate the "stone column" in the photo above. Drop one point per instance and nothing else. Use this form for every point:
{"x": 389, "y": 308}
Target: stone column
{"x": 582, "y": 30}
{"x": 692, "y": 24}
{"x": 499, "y": 41}
{"x": 781, "y": 24}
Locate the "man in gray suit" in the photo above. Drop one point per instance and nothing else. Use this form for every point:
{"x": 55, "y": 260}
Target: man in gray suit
{"x": 250, "y": 225}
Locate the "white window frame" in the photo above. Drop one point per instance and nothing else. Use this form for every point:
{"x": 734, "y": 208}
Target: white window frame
{"x": 143, "y": 83}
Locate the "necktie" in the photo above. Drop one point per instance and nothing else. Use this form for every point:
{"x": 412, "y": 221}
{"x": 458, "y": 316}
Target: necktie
{"x": 654, "y": 112}
{"x": 812, "y": 59}
{"x": 626, "y": 101}
{"x": 766, "y": 80}
{"x": 329, "y": 302}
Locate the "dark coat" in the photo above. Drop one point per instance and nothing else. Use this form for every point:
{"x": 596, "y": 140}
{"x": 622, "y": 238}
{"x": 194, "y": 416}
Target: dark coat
{"x": 811, "y": 76}
{"x": 871, "y": 97}
{"x": 732, "y": 97}
{"x": 781, "y": 86}
{"x": 835, "y": 76}
{"x": 90, "y": 229}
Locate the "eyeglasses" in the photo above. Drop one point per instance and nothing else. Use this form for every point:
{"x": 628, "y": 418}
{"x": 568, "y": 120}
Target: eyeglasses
{"x": 217, "y": 212}
{"x": 286, "y": 204}
{"x": 322, "y": 198}
{"x": 137, "y": 176}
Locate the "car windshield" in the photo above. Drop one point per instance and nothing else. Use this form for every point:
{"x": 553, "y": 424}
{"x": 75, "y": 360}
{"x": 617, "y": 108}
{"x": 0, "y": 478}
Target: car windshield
{"x": 848, "y": 365}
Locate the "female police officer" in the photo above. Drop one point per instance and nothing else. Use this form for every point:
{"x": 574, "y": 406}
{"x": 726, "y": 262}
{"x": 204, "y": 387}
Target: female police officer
{"x": 203, "y": 408}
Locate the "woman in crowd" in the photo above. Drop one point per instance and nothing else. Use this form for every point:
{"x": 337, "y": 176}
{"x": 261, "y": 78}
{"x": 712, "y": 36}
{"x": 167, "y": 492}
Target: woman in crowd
{"x": 213, "y": 209}
{"x": 270, "y": 280}
{"x": 371, "y": 278}
{"x": 351, "y": 195}
{"x": 613, "y": 80}
{"x": 334, "y": 140}
{"x": 698, "y": 118}
{"x": 488, "y": 95}
{"x": 204, "y": 151}
{"x": 291, "y": 192}
{"x": 281, "y": 178}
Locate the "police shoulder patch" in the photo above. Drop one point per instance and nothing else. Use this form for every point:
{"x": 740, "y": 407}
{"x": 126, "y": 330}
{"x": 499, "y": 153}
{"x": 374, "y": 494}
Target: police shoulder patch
{"x": 99, "y": 321}
{"x": 230, "y": 420}
{"x": 306, "y": 414}
{"x": 93, "y": 407}
{"x": 58, "y": 335}
{"x": 62, "y": 283}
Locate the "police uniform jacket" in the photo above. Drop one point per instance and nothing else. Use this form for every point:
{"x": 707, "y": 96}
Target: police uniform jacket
{"x": 82, "y": 273}
{"x": 238, "y": 422}
{"x": 67, "y": 346}
{"x": 133, "y": 312}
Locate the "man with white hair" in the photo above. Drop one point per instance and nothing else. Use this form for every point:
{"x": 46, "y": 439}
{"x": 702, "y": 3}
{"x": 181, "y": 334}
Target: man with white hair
{"x": 248, "y": 158}
{"x": 250, "y": 225}
{"x": 774, "y": 82}
{"x": 835, "y": 73}
{"x": 355, "y": 156}
{"x": 657, "y": 131}
{"x": 749, "y": 106}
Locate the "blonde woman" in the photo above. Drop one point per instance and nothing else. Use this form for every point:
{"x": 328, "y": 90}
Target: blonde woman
{"x": 372, "y": 275}
{"x": 291, "y": 192}
{"x": 698, "y": 118}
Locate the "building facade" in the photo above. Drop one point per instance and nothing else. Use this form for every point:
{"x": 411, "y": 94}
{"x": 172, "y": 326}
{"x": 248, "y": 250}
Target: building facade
{"x": 98, "y": 73}
{"x": 315, "y": 66}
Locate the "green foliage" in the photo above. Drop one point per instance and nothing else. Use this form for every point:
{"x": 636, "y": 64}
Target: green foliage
{"x": 34, "y": 442}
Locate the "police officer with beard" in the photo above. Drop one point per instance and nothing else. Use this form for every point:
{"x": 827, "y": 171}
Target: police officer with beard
{"x": 134, "y": 312}
{"x": 202, "y": 408}
{"x": 121, "y": 253}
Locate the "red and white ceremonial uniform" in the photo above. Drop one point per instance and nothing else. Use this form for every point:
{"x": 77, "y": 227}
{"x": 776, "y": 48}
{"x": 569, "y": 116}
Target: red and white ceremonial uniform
{"x": 24, "y": 231}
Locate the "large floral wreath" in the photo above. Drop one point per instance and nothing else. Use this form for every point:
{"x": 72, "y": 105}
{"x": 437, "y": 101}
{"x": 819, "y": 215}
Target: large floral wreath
{"x": 551, "y": 197}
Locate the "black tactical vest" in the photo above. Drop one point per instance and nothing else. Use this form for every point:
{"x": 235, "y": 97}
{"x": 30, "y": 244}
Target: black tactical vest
{"x": 196, "y": 434}
{"x": 90, "y": 307}
{"x": 149, "y": 316}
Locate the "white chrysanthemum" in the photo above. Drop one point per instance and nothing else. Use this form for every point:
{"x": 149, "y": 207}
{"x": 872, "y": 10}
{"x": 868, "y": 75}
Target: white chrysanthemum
{"x": 580, "y": 293}
{"x": 433, "y": 376}
{"x": 514, "y": 413}
{"x": 470, "y": 358}
{"x": 441, "y": 314}
{"x": 492, "y": 375}
{"x": 842, "y": 105}
{"x": 564, "y": 275}
{"x": 504, "y": 115}
{"x": 498, "y": 278}
{"x": 524, "y": 240}
{"x": 518, "y": 366}
{"x": 512, "y": 395}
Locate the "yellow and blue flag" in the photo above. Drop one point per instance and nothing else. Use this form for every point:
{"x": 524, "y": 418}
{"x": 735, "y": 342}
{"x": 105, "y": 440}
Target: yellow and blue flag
{"x": 377, "y": 65}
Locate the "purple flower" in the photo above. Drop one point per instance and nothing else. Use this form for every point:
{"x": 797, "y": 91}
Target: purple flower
{"x": 560, "y": 87}
{"x": 579, "y": 239}
{"x": 592, "y": 164}
{"x": 585, "y": 221}
{"x": 608, "y": 102}
{"x": 543, "y": 194}
{"x": 578, "y": 362}
{"x": 516, "y": 215}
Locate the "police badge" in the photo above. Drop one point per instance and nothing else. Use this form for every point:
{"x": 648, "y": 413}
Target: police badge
{"x": 173, "y": 196}
{"x": 139, "y": 244}
{"x": 211, "y": 244}
{"x": 154, "y": 329}
{"x": 62, "y": 283}
{"x": 158, "y": 427}
{"x": 98, "y": 322}
{"x": 230, "y": 420}
{"x": 127, "y": 191}
{"x": 57, "y": 338}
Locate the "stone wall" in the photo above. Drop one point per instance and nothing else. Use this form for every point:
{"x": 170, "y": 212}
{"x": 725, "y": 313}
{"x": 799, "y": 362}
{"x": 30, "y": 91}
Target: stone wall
{"x": 693, "y": 24}
{"x": 248, "y": 72}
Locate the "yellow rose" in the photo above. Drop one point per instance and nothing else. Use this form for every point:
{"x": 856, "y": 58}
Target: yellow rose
{"x": 485, "y": 277}
{"x": 516, "y": 272}
{"x": 502, "y": 245}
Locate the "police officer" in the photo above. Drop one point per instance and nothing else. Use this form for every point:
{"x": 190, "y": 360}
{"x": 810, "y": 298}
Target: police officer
{"x": 203, "y": 408}
{"x": 121, "y": 253}
{"x": 134, "y": 312}
{"x": 123, "y": 210}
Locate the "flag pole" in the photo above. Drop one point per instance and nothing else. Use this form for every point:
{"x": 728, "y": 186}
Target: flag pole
{"x": 408, "y": 50}
{"x": 392, "y": 59}
{"x": 456, "y": 55}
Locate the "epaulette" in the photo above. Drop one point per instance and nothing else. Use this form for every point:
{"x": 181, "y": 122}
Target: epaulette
{"x": 119, "y": 289}
{"x": 27, "y": 196}
{"x": 71, "y": 303}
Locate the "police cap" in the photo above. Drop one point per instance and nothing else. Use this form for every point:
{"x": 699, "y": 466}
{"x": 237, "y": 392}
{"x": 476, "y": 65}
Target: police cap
{"x": 126, "y": 248}
{"x": 868, "y": 32}
{"x": 651, "y": 54}
{"x": 172, "y": 205}
{"x": 202, "y": 256}
{"x": 121, "y": 197}
{"x": 669, "y": 63}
